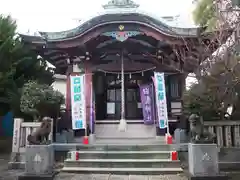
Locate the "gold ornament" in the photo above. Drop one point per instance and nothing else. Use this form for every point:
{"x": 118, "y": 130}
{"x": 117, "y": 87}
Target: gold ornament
{"x": 121, "y": 27}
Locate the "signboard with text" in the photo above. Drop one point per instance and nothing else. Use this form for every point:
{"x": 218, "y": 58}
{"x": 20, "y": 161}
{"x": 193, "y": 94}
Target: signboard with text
{"x": 78, "y": 102}
{"x": 161, "y": 102}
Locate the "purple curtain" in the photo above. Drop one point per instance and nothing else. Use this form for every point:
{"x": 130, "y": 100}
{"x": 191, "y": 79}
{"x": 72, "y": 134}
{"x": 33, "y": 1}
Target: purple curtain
{"x": 146, "y": 92}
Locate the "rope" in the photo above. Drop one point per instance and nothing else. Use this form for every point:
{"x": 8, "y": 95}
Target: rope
{"x": 122, "y": 89}
{"x": 135, "y": 72}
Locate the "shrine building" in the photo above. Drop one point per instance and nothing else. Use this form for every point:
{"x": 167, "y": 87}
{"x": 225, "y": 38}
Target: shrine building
{"x": 122, "y": 40}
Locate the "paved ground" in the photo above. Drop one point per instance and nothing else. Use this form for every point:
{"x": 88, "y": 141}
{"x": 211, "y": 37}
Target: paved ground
{"x": 66, "y": 176}
{"x": 6, "y": 174}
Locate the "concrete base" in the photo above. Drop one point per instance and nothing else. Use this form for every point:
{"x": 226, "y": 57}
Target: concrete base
{"x": 36, "y": 177}
{"x": 180, "y": 138}
{"x": 16, "y": 165}
{"x": 92, "y": 138}
{"x": 17, "y": 161}
{"x": 217, "y": 177}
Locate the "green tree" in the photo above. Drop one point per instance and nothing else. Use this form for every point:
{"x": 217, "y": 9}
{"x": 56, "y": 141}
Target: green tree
{"x": 39, "y": 100}
{"x": 205, "y": 14}
{"x": 18, "y": 65}
{"x": 216, "y": 91}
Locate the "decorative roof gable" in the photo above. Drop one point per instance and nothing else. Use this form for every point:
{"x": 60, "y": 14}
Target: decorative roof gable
{"x": 112, "y": 4}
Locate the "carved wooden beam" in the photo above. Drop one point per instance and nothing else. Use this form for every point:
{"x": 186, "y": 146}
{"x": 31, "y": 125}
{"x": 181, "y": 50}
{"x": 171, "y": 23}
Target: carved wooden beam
{"x": 166, "y": 61}
{"x": 160, "y": 37}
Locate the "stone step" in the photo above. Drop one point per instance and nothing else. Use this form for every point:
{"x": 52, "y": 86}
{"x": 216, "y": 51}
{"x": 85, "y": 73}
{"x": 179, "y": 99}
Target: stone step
{"x": 114, "y": 147}
{"x": 123, "y": 154}
{"x": 129, "y": 141}
{"x": 122, "y": 163}
{"x": 132, "y": 171}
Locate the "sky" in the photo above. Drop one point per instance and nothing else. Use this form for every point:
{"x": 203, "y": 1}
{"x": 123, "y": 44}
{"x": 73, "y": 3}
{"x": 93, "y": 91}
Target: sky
{"x": 59, "y": 15}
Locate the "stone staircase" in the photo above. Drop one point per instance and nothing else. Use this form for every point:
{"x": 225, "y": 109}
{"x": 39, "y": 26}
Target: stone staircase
{"x": 122, "y": 159}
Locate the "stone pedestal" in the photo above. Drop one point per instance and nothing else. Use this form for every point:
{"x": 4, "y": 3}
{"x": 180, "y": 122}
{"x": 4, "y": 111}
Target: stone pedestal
{"x": 203, "y": 161}
{"x": 180, "y": 137}
{"x": 39, "y": 162}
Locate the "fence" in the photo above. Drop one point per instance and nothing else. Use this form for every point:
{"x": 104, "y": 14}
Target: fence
{"x": 21, "y": 130}
{"x": 227, "y": 132}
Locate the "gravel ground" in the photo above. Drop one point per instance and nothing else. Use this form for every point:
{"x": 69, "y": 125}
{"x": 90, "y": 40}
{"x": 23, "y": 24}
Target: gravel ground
{"x": 6, "y": 174}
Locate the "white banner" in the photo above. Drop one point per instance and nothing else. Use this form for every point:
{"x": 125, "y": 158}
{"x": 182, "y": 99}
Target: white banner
{"x": 78, "y": 102}
{"x": 161, "y": 101}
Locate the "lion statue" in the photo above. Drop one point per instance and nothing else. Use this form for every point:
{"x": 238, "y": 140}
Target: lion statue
{"x": 198, "y": 134}
{"x": 41, "y": 135}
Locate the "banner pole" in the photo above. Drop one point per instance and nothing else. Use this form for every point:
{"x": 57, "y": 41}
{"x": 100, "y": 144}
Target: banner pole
{"x": 84, "y": 79}
{"x": 91, "y": 109}
{"x": 85, "y": 139}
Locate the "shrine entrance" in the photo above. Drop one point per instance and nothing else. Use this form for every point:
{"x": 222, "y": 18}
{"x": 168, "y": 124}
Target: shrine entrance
{"x": 132, "y": 98}
{"x": 108, "y": 103}
{"x": 111, "y": 97}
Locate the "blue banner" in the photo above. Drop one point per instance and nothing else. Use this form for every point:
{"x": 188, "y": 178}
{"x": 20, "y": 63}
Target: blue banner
{"x": 161, "y": 102}
{"x": 78, "y": 102}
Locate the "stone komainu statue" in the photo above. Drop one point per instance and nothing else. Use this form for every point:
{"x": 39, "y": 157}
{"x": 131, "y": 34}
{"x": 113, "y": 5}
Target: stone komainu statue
{"x": 198, "y": 134}
{"x": 40, "y": 136}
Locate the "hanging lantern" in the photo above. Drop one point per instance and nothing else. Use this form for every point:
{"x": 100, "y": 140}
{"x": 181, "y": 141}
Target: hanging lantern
{"x": 130, "y": 76}
{"x": 118, "y": 76}
{"x": 142, "y": 73}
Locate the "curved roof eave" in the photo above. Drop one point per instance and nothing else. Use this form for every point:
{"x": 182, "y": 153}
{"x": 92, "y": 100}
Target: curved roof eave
{"x": 112, "y": 16}
{"x": 35, "y": 39}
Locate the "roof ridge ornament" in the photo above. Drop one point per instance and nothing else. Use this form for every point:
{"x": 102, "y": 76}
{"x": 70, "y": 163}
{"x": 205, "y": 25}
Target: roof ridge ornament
{"x": 113, "y": 4}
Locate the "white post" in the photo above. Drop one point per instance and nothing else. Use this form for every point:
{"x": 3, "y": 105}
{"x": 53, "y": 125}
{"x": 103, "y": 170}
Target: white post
{"x": 16, "y": 135}
{"x": 51, "y": 133}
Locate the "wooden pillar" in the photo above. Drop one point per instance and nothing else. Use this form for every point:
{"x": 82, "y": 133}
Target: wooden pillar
{"x": 74, "y": 70}
{"x": 88, "y": 89}
{"x": 68, "y": 90}
{"x": 71, "y": 71}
